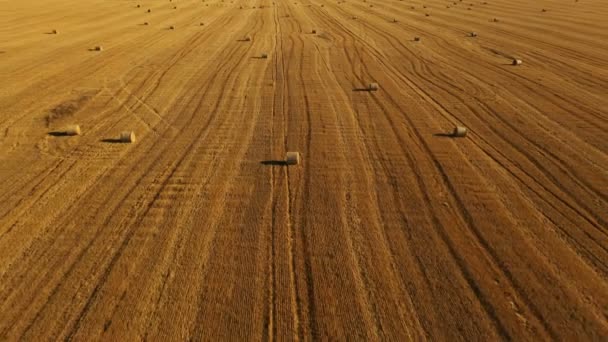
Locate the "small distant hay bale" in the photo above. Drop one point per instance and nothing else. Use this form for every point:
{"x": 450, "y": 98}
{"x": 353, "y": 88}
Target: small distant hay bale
{"x": 171, "y": 27}
{"x": 516, "y": 61}
{"x": 416, "y": 39}
{"x": 427, "y": 15}
{"x": 473, "y": 34}
{"x": 149, "y": 10}
{"x": 264, "y": 56}
{"x": 459, "y": 132}
{"x": 292, "y": 158}
{"x": 146, "y": 23}
{"x": 544, "y": 10}
{"x": 495, "y": 20}
{"x": 373, "y": 87}
{"x": 72, "y": 130}
{"x": 313, "y": 31}
{"x": 98, "y": 48}
{"x": 138, "y": 6}
{"x": 202, "y": 24}
{"x": 247, "y": 38}
{"x": 54, "y": 32}
{"x": 371, "y": 5}
{"x": 127, "y": 137}
{"x": 355, "y": 17}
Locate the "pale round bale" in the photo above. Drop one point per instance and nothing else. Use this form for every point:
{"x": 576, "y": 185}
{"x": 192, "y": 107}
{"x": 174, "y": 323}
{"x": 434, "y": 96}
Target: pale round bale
{"x": 264, "y": 55}
{"x": 292, "y": 158}
{"x": 516, "y": 61}
{"x": 459, "y": 131}
{"x": 99, "y": 48}
{"x": 72, "y": 130}
{"x": 373, "y": 87}
{"x": 127, "y": 137}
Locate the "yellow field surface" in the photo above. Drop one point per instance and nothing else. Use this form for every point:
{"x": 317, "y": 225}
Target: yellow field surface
{"x": 388, "y": 228}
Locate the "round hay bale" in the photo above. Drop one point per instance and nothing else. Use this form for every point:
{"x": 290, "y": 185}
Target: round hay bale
{"x": 146, "y": 23}
{"x": 394, "y": 20}
{"x": 416, "y": 39}
{"x": 427, "y": 15}
{"x": 99, "y": 48}
{"x": 495, "y": 20}
{"x": 473, "y": 34}
{"x": 373, "y": 87}
{"x": 138, "y": 6}
{"x": 516, "y": 61}
{"x": 127, "y": 137}
{"x": 72, "y": 130}
{"x": 247, "y": 39}
{"x": 264, "y": 55}
{"x": 149, "y": 10}
{"x": 202, "y": 24}
{"x": 54, "y": 32}
{"x": 292, "y": 158}
{"x": 459, "y": 132}
{"x": 314, "y": 31}
{"x": 171, "y": 27}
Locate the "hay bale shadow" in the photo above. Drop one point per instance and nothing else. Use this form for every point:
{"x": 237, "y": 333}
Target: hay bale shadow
{"x": 444, "y": 135}
{"x": 366, "y": 89}
{"x": 274, "y": 162}
{"x": 113, "y": 141}
{"x": 58, "y": 134}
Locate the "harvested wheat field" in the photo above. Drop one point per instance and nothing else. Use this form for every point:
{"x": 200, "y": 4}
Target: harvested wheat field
{"x": 435, "y": 188}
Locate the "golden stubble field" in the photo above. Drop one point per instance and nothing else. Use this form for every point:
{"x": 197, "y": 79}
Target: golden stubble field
{"x": 388, "y": 229}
